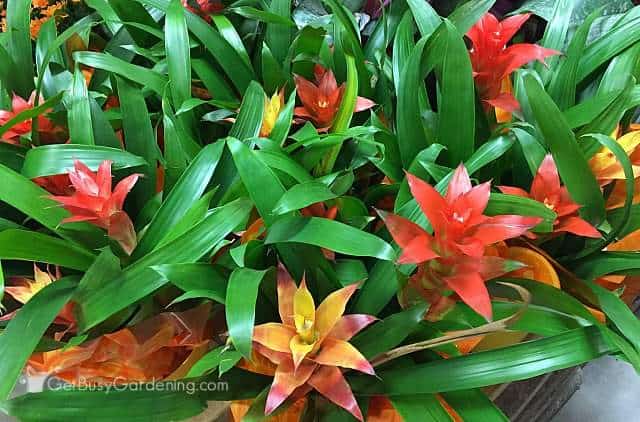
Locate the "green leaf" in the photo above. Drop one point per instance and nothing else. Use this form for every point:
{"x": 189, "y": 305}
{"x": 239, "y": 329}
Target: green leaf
{"x": 587, "y": 111}
{"x": 12, "y": 156}
{"x": 467, "y": 14}
{"x": 249, "y": 120}
{"x": 425, "y": 16}
{"x": 572, "y": 165}
{"x": 22, "y": 334}
{"x": 500, "y": 204}
{"x": 564, "y": 80}
{"x": 555, "y": 35}
{"x": 611, "y": 44}
{"x": 388, "y": 333}
{"x": 240, "y": 309}
{"x": 186, "y": 192}
{"x": 18, "y": 21}
{"x": 79, "y": 111}
{"x": 178, "y": 54}
{"x": 196, "y": 277}
{"x": 474, "y": 405}
{"x": 513, "y": 363}
{"x": 261, "y": 16}
{"x": 378, "y": 289}
{"x": 329, "y": 234}
{"x": 278, "y": 36}
{"x": 48, "y": 160}
{"x": 619, "y": 313}
{"x": 135, "y": 73}
{"x": 140, "y": 137}
{"x": 140, "y": 280}
{"x": 217, "y": 357}
{"x": 282, "y": 126}
{"x": 606, "y": 263}
{"x": 457, "y": 99}
{"x": 233, "y": 65}
{"x": 212, "y": 80}
{"x": 420, "y": 407}
{"x": 26, "y": 245}
{"x": 303, "y": 195}
{"x": 229, "y": 33}
{"x": 403, "y": 43}
{"x": 163, "y": 403}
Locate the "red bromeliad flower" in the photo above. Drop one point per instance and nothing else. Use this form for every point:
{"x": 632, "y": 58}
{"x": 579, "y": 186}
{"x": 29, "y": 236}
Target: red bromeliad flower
{"x": 94, "y": 202}
{"x": 57, "y": 184}
{"x": 18, "y": 105}
{"x": 546, "y": 188}
{"x": 453, "y": 257}
{"x": 321, "y": 100}
{"x": 311, "y": 345}
{"x": 492, "y": 61}
{"x": 203, "y": 8}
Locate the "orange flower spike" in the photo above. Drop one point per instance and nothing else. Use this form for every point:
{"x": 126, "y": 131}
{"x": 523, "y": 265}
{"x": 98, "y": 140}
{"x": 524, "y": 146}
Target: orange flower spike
{"x": 546, "y": 188}
{"x": 272, "y": 108}
{"x": 321, "y": 100}
{"x": 310, "y": 345}
{"x": 18, "y": 105}
{"x": 493, "y": 61}
{"x": 95, "y": 202}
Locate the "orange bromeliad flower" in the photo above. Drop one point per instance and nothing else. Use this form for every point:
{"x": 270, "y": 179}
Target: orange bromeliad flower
{"x": 311, "y": 345}
{"x": 163, "y": 347}
{"x": 321, "y": 100}
{"x": 454, "y": 257}
{"x": 22, "y": 289}
{"x": 94, "y": 202}
{"x": 18, "y": 105}
{"x": 493, "y": 61}
{"x": 546, "y": 188}
{"x": 607, "y": 168}
{"x": 272, "y": 108}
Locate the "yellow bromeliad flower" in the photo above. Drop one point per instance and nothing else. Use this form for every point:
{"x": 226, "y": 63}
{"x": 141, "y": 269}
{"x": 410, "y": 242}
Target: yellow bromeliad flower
{"x": 24, "y": 288}
{"x": 311, "y": 345}
{"x": 607, "y": 169}
{"x": 272, "y": 108}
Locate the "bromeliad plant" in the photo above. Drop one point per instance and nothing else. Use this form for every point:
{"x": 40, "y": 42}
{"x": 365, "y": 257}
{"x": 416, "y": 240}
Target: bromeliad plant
{"x": 313, "y": 213}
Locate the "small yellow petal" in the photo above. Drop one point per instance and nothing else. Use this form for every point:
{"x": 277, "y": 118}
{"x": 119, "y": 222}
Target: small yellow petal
{"x": 300, "y": 348}
{"x": 304, "y": 311}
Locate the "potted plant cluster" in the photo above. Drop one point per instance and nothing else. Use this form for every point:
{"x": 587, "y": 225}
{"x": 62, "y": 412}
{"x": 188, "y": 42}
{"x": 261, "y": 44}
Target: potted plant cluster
{"x": 313, "y": 210}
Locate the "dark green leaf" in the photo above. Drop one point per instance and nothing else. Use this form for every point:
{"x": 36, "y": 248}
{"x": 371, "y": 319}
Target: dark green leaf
{"x": 571, "y": 163}
{"x": 329, "y": 234}
{"x": 242, "y": 294}
{"x": 48, "y": 160}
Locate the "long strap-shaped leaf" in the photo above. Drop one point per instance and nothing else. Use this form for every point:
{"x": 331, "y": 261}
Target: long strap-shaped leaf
{"x": 163, "y": 404}
{"x": 242, "y": 294}
{"x": 572, "y": 165}
{"x": 23, "y": 332}
{"x": 48, "y": 160}
{"x": 513, "y": 363}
